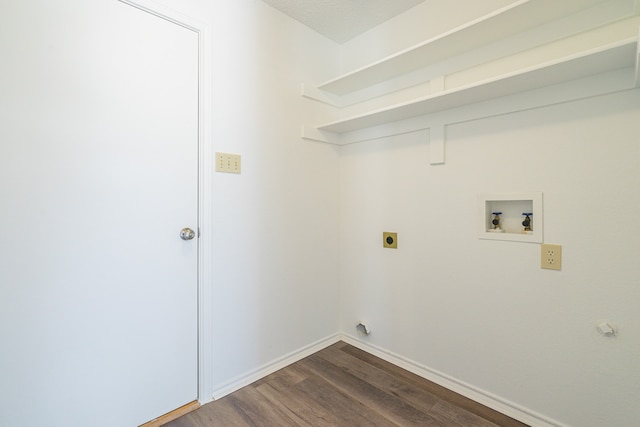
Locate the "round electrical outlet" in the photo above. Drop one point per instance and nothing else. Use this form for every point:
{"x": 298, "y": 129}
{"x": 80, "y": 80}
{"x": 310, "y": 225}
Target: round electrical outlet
{"x": 390, "y": 240}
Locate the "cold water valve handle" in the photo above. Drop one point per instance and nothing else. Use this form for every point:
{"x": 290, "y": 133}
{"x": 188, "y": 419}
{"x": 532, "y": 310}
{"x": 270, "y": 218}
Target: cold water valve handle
{"x": 527, "y": 221}
{"x": 496, "y": 220}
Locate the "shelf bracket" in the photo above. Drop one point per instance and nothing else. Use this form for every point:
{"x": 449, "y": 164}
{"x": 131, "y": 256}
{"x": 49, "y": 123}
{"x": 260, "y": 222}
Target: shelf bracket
{"x": 436, "y": 144}
{"x": 637, "y": 74}
{"x": 311, "y": 92}
{"x": 313, "y": 134}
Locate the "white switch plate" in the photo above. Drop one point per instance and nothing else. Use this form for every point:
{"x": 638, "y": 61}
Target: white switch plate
{"x": 226, "y": 162}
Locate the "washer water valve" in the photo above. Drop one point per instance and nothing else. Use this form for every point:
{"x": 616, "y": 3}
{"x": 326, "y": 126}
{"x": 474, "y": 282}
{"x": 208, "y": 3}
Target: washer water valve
{"x": 496, "y": 223}
{"x": 527, "y": 222}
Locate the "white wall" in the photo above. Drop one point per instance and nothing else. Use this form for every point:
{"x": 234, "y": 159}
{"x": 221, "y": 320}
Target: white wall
{"x": 483, "y": 312}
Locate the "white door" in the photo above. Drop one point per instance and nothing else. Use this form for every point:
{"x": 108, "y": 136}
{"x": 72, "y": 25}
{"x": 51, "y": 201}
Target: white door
{"x": 98, "y": 175}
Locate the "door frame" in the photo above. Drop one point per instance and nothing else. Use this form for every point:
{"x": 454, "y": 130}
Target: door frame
{"x": 205, "y": 168}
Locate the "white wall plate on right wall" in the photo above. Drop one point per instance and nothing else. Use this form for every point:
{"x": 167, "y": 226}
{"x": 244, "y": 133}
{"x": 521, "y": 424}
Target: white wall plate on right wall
{"x": 510, "y": 216}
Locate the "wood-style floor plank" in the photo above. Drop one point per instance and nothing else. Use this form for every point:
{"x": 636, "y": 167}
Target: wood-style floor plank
{"x": 280, "y": 389}
{"x": 390, "y": 406}
{"x": 441, "y": 392}
{"x": 342, "y": 385}
{"x": 348, "y": 410}
{"x": 416, "y": 397}
{"x": 309, "y": 413}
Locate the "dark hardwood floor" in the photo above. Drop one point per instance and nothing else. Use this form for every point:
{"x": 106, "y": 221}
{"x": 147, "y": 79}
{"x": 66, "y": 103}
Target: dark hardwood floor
{"x": 343, "y": 386}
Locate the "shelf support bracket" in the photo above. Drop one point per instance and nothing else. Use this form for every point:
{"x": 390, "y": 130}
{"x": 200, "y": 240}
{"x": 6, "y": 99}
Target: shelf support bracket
{"x": 637, "y": 58}
{"x": 436, "y": 144}
{"x": 313, "y": 134}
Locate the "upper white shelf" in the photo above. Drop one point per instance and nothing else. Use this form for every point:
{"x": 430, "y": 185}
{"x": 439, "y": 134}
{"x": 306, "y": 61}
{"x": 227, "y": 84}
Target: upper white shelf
{"x": 622, "y": 54}
{"x": 515, "y": 18}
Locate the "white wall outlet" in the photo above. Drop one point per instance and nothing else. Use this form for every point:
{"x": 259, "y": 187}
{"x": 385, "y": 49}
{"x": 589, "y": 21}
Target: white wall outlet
{"x": 226, "y": 162}
{"x": 551, "y": 256}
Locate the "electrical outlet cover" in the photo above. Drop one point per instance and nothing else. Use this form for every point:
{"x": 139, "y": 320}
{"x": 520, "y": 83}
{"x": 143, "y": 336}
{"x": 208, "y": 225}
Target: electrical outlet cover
{"x": 551, "y": 256}
{"x": 390, "y": 240}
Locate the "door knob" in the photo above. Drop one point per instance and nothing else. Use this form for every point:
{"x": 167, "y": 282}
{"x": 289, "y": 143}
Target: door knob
{"x": 187, "y": 234}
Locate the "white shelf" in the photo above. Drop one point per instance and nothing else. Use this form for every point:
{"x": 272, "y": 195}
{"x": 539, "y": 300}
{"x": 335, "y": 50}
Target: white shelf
{"x": 622, "y": 54}
{"x": 508, "y": 21}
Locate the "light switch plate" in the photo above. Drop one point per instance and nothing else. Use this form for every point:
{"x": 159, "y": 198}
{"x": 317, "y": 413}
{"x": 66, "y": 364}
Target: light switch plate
{"x": 226, "y": 162}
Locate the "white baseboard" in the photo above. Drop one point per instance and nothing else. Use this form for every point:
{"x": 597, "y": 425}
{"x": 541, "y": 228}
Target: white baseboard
{"x": 485, "y": 398}
{"x": 271, "y": 367}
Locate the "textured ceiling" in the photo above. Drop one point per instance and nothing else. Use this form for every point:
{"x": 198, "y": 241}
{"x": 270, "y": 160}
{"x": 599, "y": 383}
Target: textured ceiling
{"x": 341, "y": 20}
